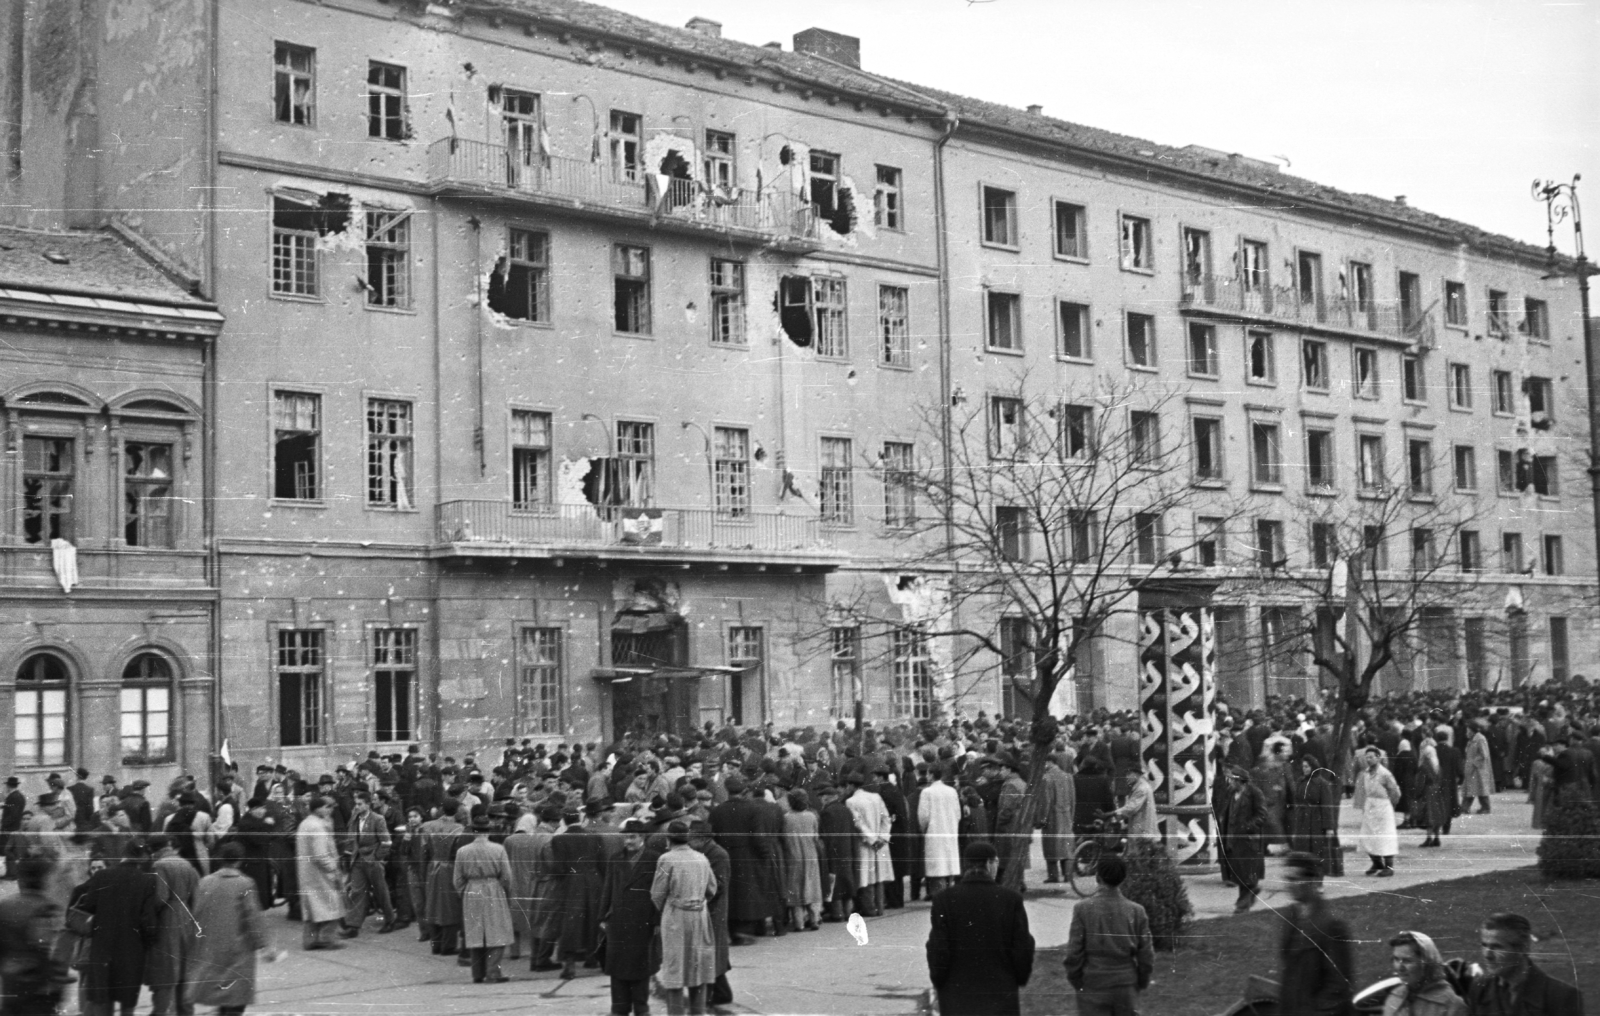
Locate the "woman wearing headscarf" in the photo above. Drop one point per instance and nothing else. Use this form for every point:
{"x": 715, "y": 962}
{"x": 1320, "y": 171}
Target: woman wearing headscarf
{"x": 1423, "y": 989}
{"x": 1376, "y": 795}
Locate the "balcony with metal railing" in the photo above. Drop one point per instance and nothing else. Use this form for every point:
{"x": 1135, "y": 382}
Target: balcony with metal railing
{"x": 464, "y": 167}
{"x": 1260, "y": 300}
{"x": 480, "y": 528}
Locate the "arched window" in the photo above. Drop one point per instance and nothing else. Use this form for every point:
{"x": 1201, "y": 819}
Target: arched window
{"x": 41, "y": 711}
{"x": 147, "y": 709}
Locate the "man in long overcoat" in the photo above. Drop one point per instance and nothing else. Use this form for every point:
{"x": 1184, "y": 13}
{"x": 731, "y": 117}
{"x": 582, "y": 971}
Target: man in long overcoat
{"x": 980, "y": 951}
{"x": 873, "y": 827}
{"x": 122, "y": 900}
{"x": 629, "y": 920}
{"x": 1053, "y": 814}
{"x": 544, "y": 910}
{"x": 743, "y": 827}
{"x": 317, "y": 863}
{"x": 1240, "y": 827}
{"x": 901, "y": 839}
{"x": 482, "y": 874}
{"x": 1011, "y": 837}
{"x": 442, "y": 902}
{"x": 224, "y": 966}
{"x": 167, "y": 963}
{"x": 1478, "y": 779}
{"x": 576, "y": 854}
{"x": 700, "y": 838}
{"x": 939, "y": 815}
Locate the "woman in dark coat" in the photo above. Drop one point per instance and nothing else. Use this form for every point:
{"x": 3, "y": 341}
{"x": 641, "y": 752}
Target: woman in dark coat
{"x": 633, "y": 950}
{"x": 1240, "y": 826}
{"x": 901, "y": 842}
{"x": 124, "y": 904}
{"x": 1316, "y": 812}
{"x": 837, "y": 829}
{"x": 254, "y": 832}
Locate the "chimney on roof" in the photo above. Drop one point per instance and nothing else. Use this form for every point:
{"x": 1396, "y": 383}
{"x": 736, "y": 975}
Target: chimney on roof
{"x": 1400, "y": 199}
{"x": 1036, "y": 109}
{"x": 773, "y": 45}
{"x": 705, "y": 26}
{"x": 845, "y": 49}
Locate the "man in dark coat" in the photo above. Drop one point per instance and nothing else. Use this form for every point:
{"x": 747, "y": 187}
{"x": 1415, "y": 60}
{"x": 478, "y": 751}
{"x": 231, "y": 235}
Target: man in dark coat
{"x": 900, "y": 839}
{"x": 1092, "y": 793}
{"x": 838, "y": 832}
{"x": 254, "y": 832}
{"x": 11, "y": 822}
{"x": 1314, "y": 816}
{"x": 124, "y": 903}
{"x": 576, "y": 855}
{"x": 83, "y": 818}
{"x": 31, "y": 978}
{"x": 629, "y": 920}
{"x": 980, "y": 952}
{"x": 1512, "y": 984}
{"x": 1451, "y": 773}
{"x": 1240, "y": 826}
{"x": 1318, "y": 972}
{"x": 700, "y": 838}
{"x": 743, "y": 828}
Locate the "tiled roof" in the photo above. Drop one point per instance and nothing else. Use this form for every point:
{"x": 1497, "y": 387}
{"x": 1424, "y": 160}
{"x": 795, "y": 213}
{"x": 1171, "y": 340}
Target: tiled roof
{"x": 826, "y": 74}
{"x": 90, "y": 264}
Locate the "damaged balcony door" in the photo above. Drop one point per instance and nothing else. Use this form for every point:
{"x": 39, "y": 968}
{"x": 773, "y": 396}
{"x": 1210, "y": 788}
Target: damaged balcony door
{"x": 519, "y": 119}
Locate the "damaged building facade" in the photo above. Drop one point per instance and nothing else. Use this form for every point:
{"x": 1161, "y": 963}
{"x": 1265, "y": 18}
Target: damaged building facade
{"x": 573, "y": 365}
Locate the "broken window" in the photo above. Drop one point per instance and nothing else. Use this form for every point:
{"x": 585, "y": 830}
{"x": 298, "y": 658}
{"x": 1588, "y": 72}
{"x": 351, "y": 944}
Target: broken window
{"x": 1314, "y": 363}
{"x": 1196, "y": 259}
{"x": 1005, "y": 427}
{"x": 1499, "y": 315}
{"x": 1365, "y": 383}
{"x": 386, "y": 102}
{"x": 1361, "y": 286}
{"x": 294, "y": 248}
{"x": 1141, "y": 340}
{"x": 1308, "y": 281}
{"x": 894, "y": 327}
{"x": 1504, "y": 401}
{"x": 48, "y": 468}
{"x": 1253, "y": 268}
{"x": 1076, "y": 434}
{"x": 828, "y": 296}
{"x": 520, "y": 126}
{"x": 727, "y": 302}
{"x": 794, "y": 308}
{"x": 626, "y": 479}
{"x": 825, "y": 184}
{"x": 1207, "y": 448}
{"x": 519, "y": 286}
{"x": 530, "y": 460}
{"x": 999, "y": 216}
{"x": 1073, "y": 321}
{"x": 147, "y": 494}
{"x": 294, "y": 84}
{"x": 1546, "y": 482}
{"x": 296, "y": 446}
{"x": 1004, "y": 321}
{"x": 1136, "y": 243}
{"x": 886, "y": 199}
{"x": 718, "y": 162}
{"x": 731, "y": 472}
{"x": 1144, "y": 438}
{"x": 1541, "y": 402}
{"x": 631, "y": 270}
{"x": 836, "y": 495}
{"x": 1263, "y": 359}
{"x": 389, "y": 434}
{"x": 1072, "y": 238}
{"x": 388, "y": 259}
{"x": 899, "y": 484}
{"x": 627, "y": 147}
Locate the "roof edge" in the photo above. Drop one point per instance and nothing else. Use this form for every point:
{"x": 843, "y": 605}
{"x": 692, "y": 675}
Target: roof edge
{"x": 159, "y": 259}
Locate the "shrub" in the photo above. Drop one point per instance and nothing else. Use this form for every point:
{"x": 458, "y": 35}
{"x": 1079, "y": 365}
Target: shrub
{"x": 1570, "y": 846}
{"x": 1154, "y": 883}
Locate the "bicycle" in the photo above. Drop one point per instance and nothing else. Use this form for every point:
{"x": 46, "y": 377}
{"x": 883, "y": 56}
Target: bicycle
{"x": 1110, "y": 836}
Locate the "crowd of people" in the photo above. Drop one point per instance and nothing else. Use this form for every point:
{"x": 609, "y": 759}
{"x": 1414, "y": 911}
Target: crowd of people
{"x": 650, "y": 858}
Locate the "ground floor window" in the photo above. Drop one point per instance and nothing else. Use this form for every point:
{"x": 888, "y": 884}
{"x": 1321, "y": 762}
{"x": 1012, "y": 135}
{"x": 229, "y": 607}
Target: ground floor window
{"x": 40, "y": 708}
{"x": 299, "y": 673}
{"x": 912, "y": 690}
{"x": 394, "y": 682}
{"x": 147, "y": 709}
{"x": 539, "y": 680}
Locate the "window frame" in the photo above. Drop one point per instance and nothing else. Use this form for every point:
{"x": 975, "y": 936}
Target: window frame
{"x": 1140, "y": 266}
{"x": 720, "y": 158}
{"x": 1536, "y": 312}
{"x": 1085, "y": 331}
{"x": 1419, "y": 468}
{"x": 728, "y": 303}
{"x": 381, "y": 93}
{"x": 1219, "y": 474}
{"x": 66, "y": 686}
{"x": 1460, "y": 386}
{"x": 318, "y": 711}
{"x": 899, "y": 487}
{"x": 1552, "y": 555}
{"x": 393, "y": 246}
{"x": 1153, "y": 362}
{"x": 894, "y": 326}
{"x": 1470, "y": 461}
{"x": 1213, "y": 530}
{"x": 1322, "y": 361}
{"x": 1211, "y": 369}
{"x": 320, "y": 484}
{"x": 1323, "y": 480}
{"x": 1013, "y": 240}
{"x": 544, "y": 502}
{"x": 299, "y": 267}
{"x": 1371, "y": 485}
{"x": 830, "y": 302}
{"x": 162, "y": 520}
{"x": 389, "y": 476}
{"x": 1272, "y": 549}
{"x": 998, "y": 451}
{"x": 1469, "y": 551}
{"x": 1503, "y": 393}
{"x": 1149, "y": 545}
{"x": 405, "y": 647}
{"x": 1413, "y": 386}
{"x": 731, "y": 492}
{"x": 836, "y": 498}
{"x": 642, "y": 300}
{"x": 1002, "y": 298}
{"x": 1272, "y": 430}
{"x": 286, "y": 74}
{"x": 1456, "y": 312}
{"x": 72, "y": 436}
{"x": 1081, "y": 237}
{"x": 1144, "y": 439}
{"x": 1270, "y": 344}
{"x": 1371, "y": 389}
{"x": 888, "y": 199}
{"x": 144, "y": 683}
{"x": 911, "y": 675}
{"x": 551, "y": 724}
{"x": 522, "y": 240}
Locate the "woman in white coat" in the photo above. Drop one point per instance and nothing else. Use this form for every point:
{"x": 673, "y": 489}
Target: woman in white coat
{"x": 1376, "y": 795}
{"x": 939, "y": 815}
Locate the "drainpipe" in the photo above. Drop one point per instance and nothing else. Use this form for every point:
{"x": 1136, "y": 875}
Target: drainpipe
{"x": 946, "y": 367}
{"x": 477, "y": 335}
{"x": 436, "y": 565}
{"x": 209, "y": 453}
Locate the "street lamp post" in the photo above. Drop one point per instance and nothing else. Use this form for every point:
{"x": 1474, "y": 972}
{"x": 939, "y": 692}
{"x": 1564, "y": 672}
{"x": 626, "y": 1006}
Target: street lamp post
{"x": 1560, "y": 201}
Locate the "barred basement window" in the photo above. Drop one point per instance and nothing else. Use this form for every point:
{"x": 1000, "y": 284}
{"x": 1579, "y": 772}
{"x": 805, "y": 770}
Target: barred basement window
{"x": 894, "y": 326}
{"x": 912, "y": 675}
{"x": 394, "y": 681}
{"x": 727, "y": 302}
{"x": 296, "y": 446}
{"x": 389, "y": 434}
{"x": 389, "y": 259}
{"x": 539, "y": 681}
{"x": 299, "y": 672}
{"x": 836, "y": 498}
{"x": 146, "y": 706}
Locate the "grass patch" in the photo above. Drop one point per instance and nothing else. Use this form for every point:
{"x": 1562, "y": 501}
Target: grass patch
{"x": 1207, "y": 973}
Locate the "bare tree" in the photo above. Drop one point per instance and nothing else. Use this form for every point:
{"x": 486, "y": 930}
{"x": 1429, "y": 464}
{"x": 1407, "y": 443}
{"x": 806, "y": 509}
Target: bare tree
{"x": 1037, "y": 527}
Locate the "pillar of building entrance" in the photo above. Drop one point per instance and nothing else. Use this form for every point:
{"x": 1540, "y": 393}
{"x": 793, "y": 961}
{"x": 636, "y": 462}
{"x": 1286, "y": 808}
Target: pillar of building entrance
{"x": 1177, "y": 698}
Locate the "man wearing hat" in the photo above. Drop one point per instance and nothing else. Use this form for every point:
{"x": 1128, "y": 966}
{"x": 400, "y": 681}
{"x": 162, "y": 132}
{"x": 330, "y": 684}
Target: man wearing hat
{"x": 1241, "y": 823}
{"x": 746, "y": 830}
{"x": 82, "y": 801}
{"x": 483, "y": 877}
{"x": 629, "y": 920}
{"x": 576, "y": 858}
{"x": 1012, "y": 836}
{"x": 137, "y": 806}
{"x": 980, "y": 950}
{"x": 11, "y": 823}
{"x": 874, "y": 825}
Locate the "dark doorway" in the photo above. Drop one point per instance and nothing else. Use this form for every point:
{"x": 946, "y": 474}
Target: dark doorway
{"x": 661, "y": 697}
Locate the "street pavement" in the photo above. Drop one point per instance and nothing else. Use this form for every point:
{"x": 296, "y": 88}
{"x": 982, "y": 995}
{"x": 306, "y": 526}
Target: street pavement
{"x": 822, "y": 972}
